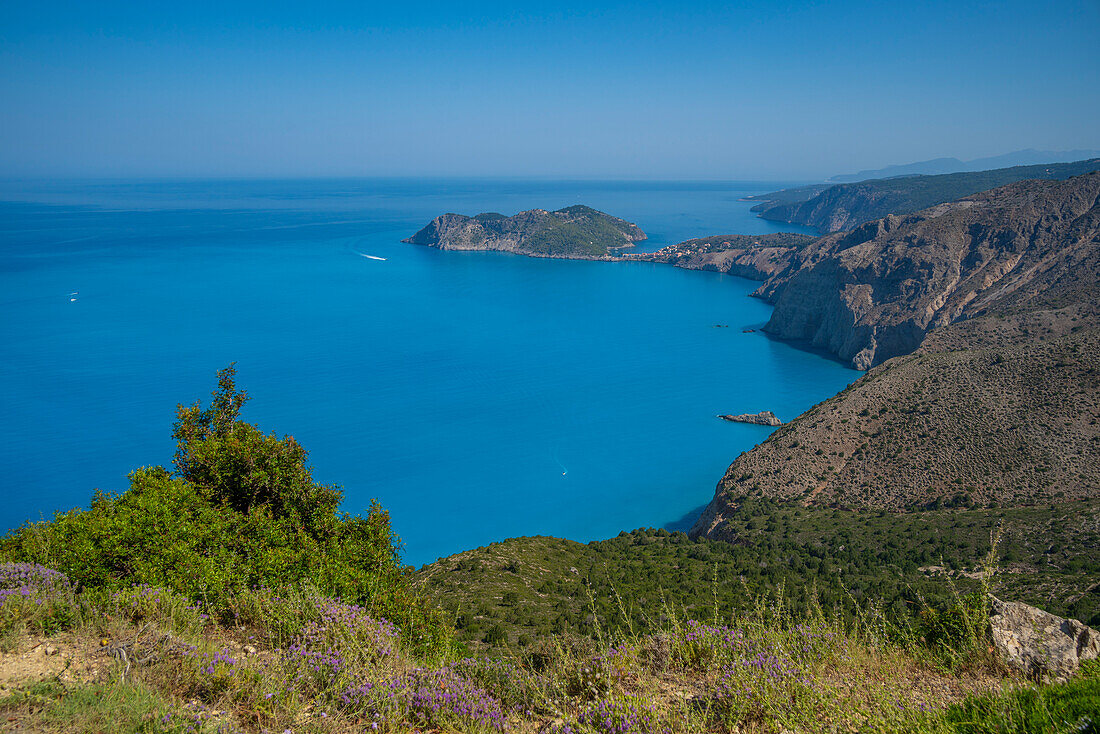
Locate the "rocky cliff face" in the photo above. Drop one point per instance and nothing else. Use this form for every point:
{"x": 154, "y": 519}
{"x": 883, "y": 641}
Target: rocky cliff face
{"x": 995, "y": 409}
{"x": 577, "y": 231}
{"x": 875, "y": 292}
{"x": 836, "y": 209}
{"x": 992, "y": 305}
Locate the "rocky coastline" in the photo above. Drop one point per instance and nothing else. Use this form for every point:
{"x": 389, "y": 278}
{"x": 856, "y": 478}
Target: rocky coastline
{"x": 754, "y": 257}
{"x": 966, "y": 315}
{"x": 863, "y": 296}
{"x": 877, "y": 291}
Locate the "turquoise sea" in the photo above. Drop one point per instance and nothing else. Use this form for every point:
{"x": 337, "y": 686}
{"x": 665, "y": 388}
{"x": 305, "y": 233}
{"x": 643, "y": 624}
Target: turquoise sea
{"x": 478, "y": 396}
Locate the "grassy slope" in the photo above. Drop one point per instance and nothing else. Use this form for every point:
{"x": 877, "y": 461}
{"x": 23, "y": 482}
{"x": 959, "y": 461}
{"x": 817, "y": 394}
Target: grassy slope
{"x": 296, "y": 662}
{"x": 98, "y": 650}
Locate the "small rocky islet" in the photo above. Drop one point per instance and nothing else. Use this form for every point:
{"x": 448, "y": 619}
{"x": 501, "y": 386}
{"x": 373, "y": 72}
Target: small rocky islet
{"x": 764, "y": 418}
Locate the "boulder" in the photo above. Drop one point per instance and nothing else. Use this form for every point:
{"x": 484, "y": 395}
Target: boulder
{"x": 1042, "y": 645}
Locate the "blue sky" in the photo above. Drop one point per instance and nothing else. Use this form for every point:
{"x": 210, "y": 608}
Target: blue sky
{"x": 760, "y": 90}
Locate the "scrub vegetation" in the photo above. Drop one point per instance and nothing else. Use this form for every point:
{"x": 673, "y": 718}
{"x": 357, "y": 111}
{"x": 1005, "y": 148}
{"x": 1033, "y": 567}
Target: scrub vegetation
{"x": 518, "y": 591}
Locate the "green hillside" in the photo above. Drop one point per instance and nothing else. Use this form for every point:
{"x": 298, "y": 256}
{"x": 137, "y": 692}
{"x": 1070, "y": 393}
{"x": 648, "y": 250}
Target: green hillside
{"x": 520, "y": 590}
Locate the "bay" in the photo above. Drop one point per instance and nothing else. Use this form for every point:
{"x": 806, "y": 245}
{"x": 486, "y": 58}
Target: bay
{"x": 477, "y": 396}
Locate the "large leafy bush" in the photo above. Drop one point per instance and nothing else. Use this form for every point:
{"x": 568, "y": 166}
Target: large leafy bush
{"x": 242, "y": 511}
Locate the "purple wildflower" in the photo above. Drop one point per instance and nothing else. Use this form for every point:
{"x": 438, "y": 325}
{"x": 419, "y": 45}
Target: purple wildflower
{"x": 429, "y": 698}
{"x": 32, "y": 581}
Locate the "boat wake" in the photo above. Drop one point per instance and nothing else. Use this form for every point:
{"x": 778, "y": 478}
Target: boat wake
{"x": 369, "y": 257}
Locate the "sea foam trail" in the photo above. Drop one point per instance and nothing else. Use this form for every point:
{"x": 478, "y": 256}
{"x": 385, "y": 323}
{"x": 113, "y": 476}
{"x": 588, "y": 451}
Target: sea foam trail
{"x": 369, "y": 257}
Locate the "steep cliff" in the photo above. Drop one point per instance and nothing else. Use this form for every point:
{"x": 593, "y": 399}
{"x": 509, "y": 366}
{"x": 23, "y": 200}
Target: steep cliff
{"x": 993, "y": 304}
{"x": 844, "y": 206}
{"x": 576, "y": 231}
{"x": 992, "y": 411}
{"x": 875, "y": 292}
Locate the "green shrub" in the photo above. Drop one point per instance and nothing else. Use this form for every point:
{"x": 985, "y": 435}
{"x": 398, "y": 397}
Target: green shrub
{"x": 958, "y": 632}
{"x": 233, "y": 463}
{"x": 244, "y": 513}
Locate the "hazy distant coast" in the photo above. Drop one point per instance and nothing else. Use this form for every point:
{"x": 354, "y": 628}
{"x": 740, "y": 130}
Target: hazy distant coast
{"x": 843, "y": 206}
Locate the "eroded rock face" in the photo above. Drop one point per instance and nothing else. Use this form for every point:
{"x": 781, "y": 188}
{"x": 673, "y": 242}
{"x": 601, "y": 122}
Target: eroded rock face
{"x": 877, "y": 291}
{"x": 1015, "y": 398}
{"x": 1040, "y": 644}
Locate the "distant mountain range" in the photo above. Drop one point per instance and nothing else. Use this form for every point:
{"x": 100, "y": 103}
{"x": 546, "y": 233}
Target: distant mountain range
{"x": 1028, "y": 157}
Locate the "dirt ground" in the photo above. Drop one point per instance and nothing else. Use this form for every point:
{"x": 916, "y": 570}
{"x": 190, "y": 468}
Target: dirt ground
{"x": 65, "y": 657}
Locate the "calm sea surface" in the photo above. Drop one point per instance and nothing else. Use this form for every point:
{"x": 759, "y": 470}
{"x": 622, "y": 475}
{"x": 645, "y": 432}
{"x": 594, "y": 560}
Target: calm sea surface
{"x": 478, "y": 396}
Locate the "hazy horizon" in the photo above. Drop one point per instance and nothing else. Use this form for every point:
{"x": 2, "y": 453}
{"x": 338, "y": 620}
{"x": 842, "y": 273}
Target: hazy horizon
{"x": 584, "y": 91}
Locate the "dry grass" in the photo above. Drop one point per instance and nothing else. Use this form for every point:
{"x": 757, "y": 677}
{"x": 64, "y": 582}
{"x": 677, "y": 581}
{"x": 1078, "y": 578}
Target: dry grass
{"x": 763, "y": 672}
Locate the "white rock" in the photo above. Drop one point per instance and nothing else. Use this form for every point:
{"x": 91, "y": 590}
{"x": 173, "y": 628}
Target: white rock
{"x": 1041, "y": 644}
